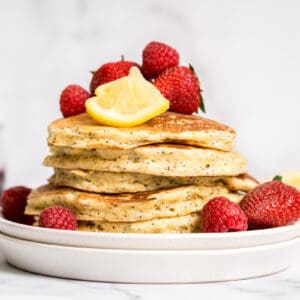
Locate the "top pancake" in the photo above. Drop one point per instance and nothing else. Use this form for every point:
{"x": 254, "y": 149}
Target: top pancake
{"x": 81, "y": 131}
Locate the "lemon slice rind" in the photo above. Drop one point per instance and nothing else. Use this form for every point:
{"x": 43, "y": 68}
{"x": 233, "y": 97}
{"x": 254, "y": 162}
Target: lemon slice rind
{"x": 113, "y": 118}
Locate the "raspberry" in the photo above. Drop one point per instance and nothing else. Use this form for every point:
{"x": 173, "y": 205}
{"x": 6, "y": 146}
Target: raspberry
{"x": 157, "y": 57}
{"x": 222, "y": 215}
{"x": 72, "y": 100}
{"x": 271, "y": 204}
{"x": 13, "y": 202}
{"x": 109, "y": 72}
{"x": 58, "y": 217}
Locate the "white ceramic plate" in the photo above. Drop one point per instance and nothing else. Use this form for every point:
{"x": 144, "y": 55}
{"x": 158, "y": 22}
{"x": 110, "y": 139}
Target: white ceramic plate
{"x": 155, "y": 266}
{"x": 189, "y": 241}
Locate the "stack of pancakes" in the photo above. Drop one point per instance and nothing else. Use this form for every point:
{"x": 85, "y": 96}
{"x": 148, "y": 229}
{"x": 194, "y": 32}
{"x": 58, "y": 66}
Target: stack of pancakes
{"x": 155, "y": 177}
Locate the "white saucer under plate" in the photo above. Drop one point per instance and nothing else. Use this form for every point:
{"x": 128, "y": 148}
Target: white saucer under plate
{"x": 189, "y": 241}
{"x": 149, "y": 266}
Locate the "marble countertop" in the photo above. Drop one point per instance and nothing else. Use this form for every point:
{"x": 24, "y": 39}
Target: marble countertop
{"x": 18, "y": 284}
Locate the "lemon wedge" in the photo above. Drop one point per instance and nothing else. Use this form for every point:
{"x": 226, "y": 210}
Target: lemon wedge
{"x": 290, "y": 177}
{"x": 126, "y": 102}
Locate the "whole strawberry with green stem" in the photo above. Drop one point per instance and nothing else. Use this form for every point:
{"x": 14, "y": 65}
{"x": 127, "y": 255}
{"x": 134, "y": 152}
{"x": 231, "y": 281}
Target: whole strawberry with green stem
{"x": 271, "y": 204}
{"x": 181, "y": 87}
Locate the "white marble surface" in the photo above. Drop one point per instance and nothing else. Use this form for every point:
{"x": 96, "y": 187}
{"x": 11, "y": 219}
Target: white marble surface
{"x": 17, "y": 284}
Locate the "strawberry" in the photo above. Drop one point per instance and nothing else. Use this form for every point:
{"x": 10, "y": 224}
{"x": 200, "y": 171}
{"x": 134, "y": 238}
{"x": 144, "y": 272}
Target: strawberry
{"x": 271, "y": 204}
{"x": 72, "y": 100}
{"x": 109, "y": 72}
{"x": 221, "y": 215}
{"x": 157, "y": 57}
{"x": 181, "y": 87}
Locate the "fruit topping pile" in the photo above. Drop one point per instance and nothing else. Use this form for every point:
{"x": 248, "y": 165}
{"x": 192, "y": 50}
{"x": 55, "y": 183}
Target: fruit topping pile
{"x": 160, "y": 70}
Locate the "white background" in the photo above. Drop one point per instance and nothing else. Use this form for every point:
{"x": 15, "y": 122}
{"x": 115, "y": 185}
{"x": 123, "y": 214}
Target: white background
{"x": 246, "y": 53}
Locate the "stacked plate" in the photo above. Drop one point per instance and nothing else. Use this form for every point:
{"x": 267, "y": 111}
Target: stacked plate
{"x": 149, "y": 258}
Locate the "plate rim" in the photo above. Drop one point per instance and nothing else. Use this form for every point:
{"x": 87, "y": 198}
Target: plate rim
{"x": 171, "y": 236}
{"x": 156, "y": 251}
{"x": 180, "y": 266}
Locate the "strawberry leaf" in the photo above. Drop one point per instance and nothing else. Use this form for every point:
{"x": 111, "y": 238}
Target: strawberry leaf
{"x": 202, "y": 105}
{"x": 193, "y": 70}
{"x": 201, "y": 101}
{"x": 277, "y": 178}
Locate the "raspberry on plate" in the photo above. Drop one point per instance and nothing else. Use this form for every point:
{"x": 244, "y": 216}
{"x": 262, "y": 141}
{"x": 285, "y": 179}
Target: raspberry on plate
{"x": 58, "y": 217}
{"x": 72, "y": 100}
{"x": 181, "y": 87}
{"x": 13, "y": 202}
{"x": 157, "y": 57}
{"x": 271, "y": 204}
{"x": 110, "y": 72}
{"x": 222, "y": 215}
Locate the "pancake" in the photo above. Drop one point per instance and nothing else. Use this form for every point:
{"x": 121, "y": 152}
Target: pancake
{"x": 82, "y": 132}
{"x": 160, "y": 159}
{"x": 126, "y": 207}
{"x": 113, "y": 182}
{"x": 183, "y": 224}
{"x": 243, "y": 182}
